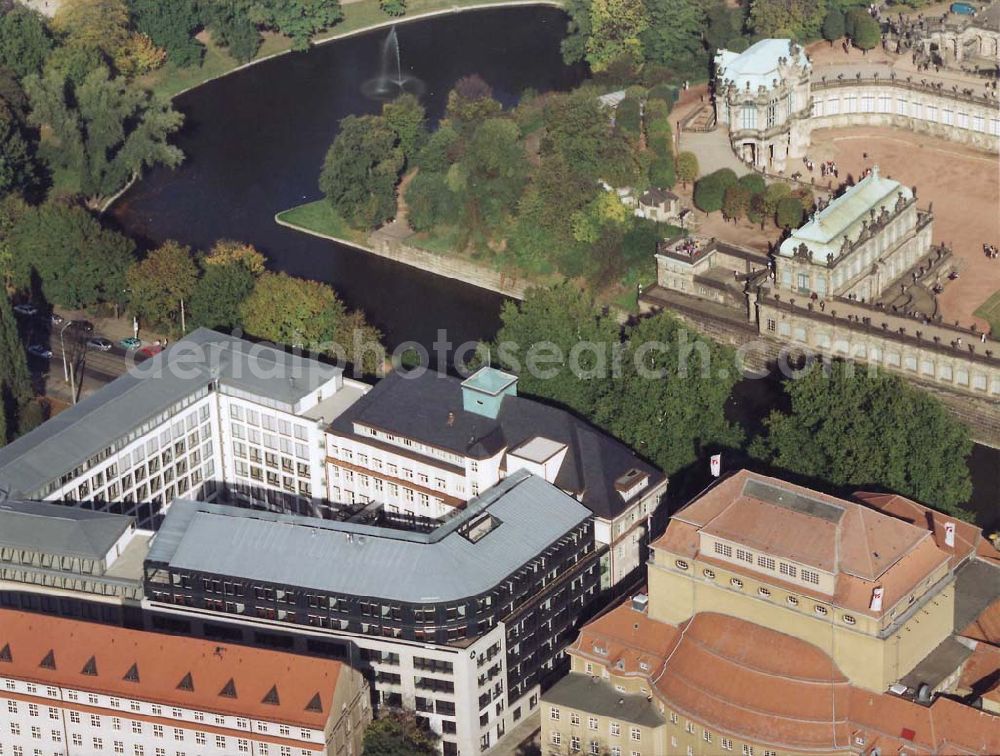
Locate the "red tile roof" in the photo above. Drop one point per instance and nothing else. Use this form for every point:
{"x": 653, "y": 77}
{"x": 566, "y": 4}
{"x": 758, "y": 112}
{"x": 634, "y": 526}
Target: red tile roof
{"x": 770, "y": 688}
{"x": 986, "y": 627}
{"x": 981, "y": 672}
{"x": 861, "y": 546}
{"x": 167, "y": 669}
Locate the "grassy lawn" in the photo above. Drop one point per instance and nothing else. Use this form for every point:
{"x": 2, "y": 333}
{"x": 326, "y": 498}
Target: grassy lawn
{"x": 990, "y": 311}
{"x": 320, "y": 217}
{"x": 171, "y": 80}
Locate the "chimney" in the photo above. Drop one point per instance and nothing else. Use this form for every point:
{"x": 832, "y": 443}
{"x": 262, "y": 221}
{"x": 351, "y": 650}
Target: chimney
{"x": 640, "y": 602}
{"x": 451, "y": 419}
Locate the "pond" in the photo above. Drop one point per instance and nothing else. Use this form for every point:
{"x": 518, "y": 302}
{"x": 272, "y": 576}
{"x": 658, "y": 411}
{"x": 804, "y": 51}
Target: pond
{"x": 255, "y": 140}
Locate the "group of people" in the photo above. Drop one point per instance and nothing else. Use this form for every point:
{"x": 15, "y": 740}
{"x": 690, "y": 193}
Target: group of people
{"x": 990, "y": 250}
{"x": 828, "y": 168}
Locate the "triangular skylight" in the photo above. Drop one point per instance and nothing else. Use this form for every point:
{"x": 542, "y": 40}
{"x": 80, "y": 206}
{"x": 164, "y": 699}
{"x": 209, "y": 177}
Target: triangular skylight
{"x": 90, "y": 668}
{"x": 49, "y": 662}
{"x": 133, "y": 674}
{"x": 229, "y": 690}
{"x": 186, "y": 683}
{"x": 272, "y": 696}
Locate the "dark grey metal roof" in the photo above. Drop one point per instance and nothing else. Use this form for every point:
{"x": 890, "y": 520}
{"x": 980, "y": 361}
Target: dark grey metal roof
{"x": 60, "y": 530}
{"x": 596, "y": 696}
{"x": 428, "y": 407}
{"x": 363, "y": 560}
{"x": 70, "y": 438}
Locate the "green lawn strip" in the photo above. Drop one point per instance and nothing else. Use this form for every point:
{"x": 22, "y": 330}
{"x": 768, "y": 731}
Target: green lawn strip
{"x": 320, "y": 217}
{"x": 990, "y": 311}
{"x": 170, "y": 80}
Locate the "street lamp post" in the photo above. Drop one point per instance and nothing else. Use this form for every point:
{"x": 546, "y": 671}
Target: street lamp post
{"x": 62, "y": 348}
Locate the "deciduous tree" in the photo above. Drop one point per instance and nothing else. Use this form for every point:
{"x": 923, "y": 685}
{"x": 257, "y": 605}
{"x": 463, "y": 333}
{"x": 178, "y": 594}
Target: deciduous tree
{"x": 106, "y": 130}
{"x": 866, "y": 32}
{"x": 228, "y": 252}
{"x": 674, "y": 35}
{"x": 300, "y": 19}
{"x": 687, "y": 167}
{"x": 570, "y": 320}
{"x": 65, "y": 250}
{"x": 833, "y": 24}
{"x": 735, "y": 202}
{"x": 397, "y": 733}
{"x": 360, "y": 171}
{"x": 470, "y": 103}
{"x": 798, "y": 19}
{"x": 668, "y": 403}
{"x": 219, "y": 295}
{"x": 25, "y": 41}
{"x": 408, "y": 121}
{"x": 159, "y": 284}
{"x": 849, "y": 426}
{"x": 616, "y": 27}
{"x": 96, "y": 24}
{"x": 171, "y": 26}
{"x": 15, "y": 383}
{"x": 789, "y": 213}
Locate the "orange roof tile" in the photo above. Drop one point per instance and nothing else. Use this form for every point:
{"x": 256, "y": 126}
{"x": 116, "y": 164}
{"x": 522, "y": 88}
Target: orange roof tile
{"x": 627, "y": 638}
{"x": 986, "y": 627}
{"x": 167, "y": 669}
{"x": 967, "y": 536}
{"x": 755, "y": 683}
{"x": 862, "y": 546}
{"x": 981, "y": 672}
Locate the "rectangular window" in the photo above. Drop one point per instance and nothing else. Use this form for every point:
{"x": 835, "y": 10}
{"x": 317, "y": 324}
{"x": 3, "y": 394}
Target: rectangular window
{"x": 810, "y": 577}
{"x": 724, "y": 549}
{"x": 744, "y": 555}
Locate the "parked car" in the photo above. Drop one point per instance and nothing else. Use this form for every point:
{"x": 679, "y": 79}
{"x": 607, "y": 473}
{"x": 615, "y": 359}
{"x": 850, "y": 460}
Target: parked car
{"x": 40, "y": 350}
{"x": 25, "y": 309}
{"x": 149, "y": 350}
{"x": 129, "y": 343}
{"x": 100, "y": 344}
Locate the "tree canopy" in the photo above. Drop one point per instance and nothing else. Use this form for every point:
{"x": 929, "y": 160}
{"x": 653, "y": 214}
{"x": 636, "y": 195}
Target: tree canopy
{"x": 25, "y": 41}
{"x": 64, "y": 252}
{"x": 397, "y": 733}
{"x": 361, "y": 169}
{"x": 851, "y": 426}
{"x": 106, "y": 130}
{"x": 15, "y": 383}
{"x": 159, "y": 283}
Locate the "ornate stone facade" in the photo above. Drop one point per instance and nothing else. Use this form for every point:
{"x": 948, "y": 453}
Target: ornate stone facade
{"x": 762, "y": 97}
{"x": 954, "y": 39}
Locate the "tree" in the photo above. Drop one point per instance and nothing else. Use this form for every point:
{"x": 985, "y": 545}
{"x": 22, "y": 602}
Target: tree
{"x": 160, "y": 285}
{"x": 219, "y": 296}
{"x": 723, "y": 24}
{"x": 852, "y": 426}
{"x": 615, "y": 29}
{"x": 687, "y": 167}
{"x": 709, "y": 190}
{"x": 408, "y": 121}
{"x": 139, "y": 56}
{"x": 75, "y": 261}
{"x": 300, "y": 19}
{"x": 228, "y": 252}
{"x": 171, "y": 26}
{"x": 360, "y": 171}
{"x": 668, "y": 403}
{"x": 18, "y": 168}
{"x": 95, "y": 24}
{"x": 430, "y": 202}
{"x": 789, "y": 213}
{"x": 753, "y": 182}
{"x": 491, "y": 174}
{"x": 71, "y": 64}
{"x": 565, "y": 317}
{"x": 659, "y": 139}
{"x": 107, "y": 131}
{"x": 833, "y": 24}
{"x": 15, "y": 382}
{"x": 798, "y": 19}
{"x": 574, "y": 44}
{"x": 25, "y": 41}
{"x": 628, "y": 116}
{"x": 397, "y": 733}
{"x": 231, "y": 26}
{"x": 308, "y": 314}
{"x": 866, "y": 33}
{"x": 674, "y": 35}
{"x": 735, "y": 202}
{"x": 393, "y": 7}
{"x": 773, "y": 195}
{"x": 470, "y": 103}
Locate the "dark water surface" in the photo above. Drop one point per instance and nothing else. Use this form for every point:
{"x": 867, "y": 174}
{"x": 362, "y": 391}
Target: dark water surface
{"x": 255, "y": 140}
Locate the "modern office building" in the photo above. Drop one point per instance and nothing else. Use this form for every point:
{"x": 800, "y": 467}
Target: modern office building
{"x": 71, "y": 562}
{"x": 212, "y": 416}
{"x": 780, "y": 620}
{"x": 83, "y": 689}
{"x": 462, "y": 622}
{"x": 425, "y": 444}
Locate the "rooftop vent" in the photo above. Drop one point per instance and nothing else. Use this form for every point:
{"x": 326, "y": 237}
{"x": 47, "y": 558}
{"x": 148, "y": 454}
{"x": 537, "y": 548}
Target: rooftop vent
{"x": 640, "y": 602}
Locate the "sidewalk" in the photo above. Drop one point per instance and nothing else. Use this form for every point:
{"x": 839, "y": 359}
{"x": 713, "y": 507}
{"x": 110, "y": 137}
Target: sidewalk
{"x": 523, "y": 740}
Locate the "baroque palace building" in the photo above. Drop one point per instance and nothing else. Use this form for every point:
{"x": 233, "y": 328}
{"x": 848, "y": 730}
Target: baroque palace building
{"x": 830, "y": 288}
{"x": 782, "y": 621}
{"x": 769, "y": 98}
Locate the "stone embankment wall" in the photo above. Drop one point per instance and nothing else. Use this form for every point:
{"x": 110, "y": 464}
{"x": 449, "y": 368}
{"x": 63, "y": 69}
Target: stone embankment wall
{"x": 450, "y": 267}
